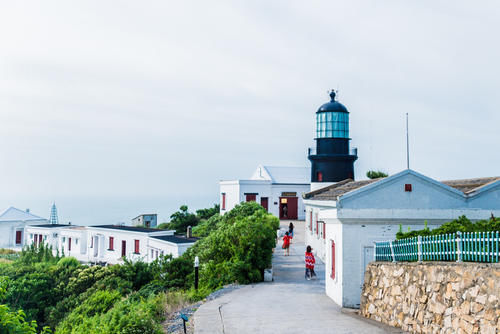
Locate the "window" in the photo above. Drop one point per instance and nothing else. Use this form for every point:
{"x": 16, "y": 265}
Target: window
{"x": 324, "y": 231}
{"x": 251, "y": 197}
{"x": 332, "y": 125}
{"x": 333, "y": 260}
{"x": 92, "y": 242}
{"x": 18, "y": 237}
{"x": 136, "y": 246}
{"x": 152, "y": 253}
{"x": 124, "y": 248}
{"x": 69, "y": 244}
{"x": 223, "y": 201}
{"x": 319, "y": 176}
{"x": 76, "y": 241}
{"x": 408, "y": 187}
{"x": 111, "y": 243}
{"x": 317, "y": 226}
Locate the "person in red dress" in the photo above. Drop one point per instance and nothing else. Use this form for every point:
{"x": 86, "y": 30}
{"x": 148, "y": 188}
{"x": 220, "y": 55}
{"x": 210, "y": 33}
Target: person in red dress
{"x": 286, "y": 244}
{"x": 310, "y": 261}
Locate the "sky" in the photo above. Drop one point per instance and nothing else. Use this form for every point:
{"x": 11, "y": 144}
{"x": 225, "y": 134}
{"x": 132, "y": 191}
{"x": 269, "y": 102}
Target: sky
{"x": 112, "y": 109}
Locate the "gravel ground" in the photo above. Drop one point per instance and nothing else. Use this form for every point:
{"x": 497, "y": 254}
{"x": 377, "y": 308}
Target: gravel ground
{"x": 173, "y": 324}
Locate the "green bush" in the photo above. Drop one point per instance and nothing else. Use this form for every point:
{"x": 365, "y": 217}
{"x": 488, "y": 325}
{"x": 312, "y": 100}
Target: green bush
{"x": 462, "y": 224}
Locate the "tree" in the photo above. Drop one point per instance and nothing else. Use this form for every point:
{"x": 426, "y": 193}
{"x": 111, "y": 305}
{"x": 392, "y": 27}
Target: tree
{"x": 207, "y": 213}
{"x": 180, "y": 220}
{"x": 371, "y": 174}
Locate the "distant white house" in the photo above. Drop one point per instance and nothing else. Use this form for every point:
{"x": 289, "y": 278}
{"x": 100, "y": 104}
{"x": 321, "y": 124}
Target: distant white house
{"x": 278, "y": 189}
{"x": 346, "y": 218}
{"x": 12, "y": 224}
{"x": 146, "y": 220}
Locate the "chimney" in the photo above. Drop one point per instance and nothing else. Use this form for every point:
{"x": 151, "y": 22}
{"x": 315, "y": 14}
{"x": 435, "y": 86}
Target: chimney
{"x": 188, "y": 232}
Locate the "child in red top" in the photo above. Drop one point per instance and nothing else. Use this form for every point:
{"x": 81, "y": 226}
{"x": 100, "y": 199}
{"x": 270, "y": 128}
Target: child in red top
{"x": 286, "y": 244}
{"x": 310, "y": 261}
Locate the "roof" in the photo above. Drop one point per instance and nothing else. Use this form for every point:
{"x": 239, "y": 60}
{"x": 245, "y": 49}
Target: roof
{"x": 129, "y": 228}
{"x": 176, "y": 239}
{"x": 283, "y": 175}
{"x": 338, "y": 189}
{"x": 466, "y": 186}
{"x": 14, "y": 214}
{"x": 333, "y": 105}
{"x": 51, "y": 225}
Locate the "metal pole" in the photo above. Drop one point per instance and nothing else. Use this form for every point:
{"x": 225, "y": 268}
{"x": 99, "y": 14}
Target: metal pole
{"x": 196, "y": 265}
{"x": 407, "y": 145}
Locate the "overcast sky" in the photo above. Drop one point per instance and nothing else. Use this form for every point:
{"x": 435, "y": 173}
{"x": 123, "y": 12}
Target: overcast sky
{"x": 119, "y": 107}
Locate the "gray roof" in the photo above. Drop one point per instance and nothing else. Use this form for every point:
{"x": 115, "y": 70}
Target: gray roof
{"x": 330, "y": 193}
{"x": 176, "y": 239}
{"x": 129, "y": 228}
{"x": 14, "y": 214}
{"x": 51, "y": 225}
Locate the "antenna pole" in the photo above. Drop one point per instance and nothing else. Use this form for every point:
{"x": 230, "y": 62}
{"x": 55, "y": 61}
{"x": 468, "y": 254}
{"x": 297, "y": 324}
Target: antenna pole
{"x": 407, "y": 145}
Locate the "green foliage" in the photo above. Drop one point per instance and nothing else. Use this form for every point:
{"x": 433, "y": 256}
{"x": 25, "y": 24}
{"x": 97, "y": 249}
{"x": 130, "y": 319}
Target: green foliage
{"x": 207, "y": 226}
{"x": 34, "y": 254}
{"x": 372, "y": 174}
{"x": 180, "y": 220}
{"x": 14, "y": 322}
{"x": 238, "y": 249}
{"x": 207, "y": 213}
{"x": 461, "y": 224}
{"x": 106, "y": 312}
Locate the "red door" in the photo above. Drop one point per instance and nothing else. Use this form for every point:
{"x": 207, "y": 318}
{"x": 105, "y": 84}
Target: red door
{"x": 251, "y": 197}
{"x": 264, "y": 201}
{"x": 18, "y": 237}
{"x": 69, "y": 244}
{"x": 124, "y": 248}
{"x": 288, "y": 207}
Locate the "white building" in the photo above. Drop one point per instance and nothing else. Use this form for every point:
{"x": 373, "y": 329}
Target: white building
{"x": 278, "y": 189}
{"x": 12, "y": 224}
{"x": 109, "y": 244}
{"x": 345, "y": 219}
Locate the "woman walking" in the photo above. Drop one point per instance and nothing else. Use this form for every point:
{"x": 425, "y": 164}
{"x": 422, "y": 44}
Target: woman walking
{"x": 286, "y": 244}
{"x": 310, "y": 261}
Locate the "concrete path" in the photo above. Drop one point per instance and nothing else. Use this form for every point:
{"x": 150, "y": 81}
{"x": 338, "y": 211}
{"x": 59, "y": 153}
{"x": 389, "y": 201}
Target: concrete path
{"x": 288, "y": 305}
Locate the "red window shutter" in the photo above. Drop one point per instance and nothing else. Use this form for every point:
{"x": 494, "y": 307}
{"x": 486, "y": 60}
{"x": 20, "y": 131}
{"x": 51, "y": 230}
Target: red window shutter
{"x": 223, "y": 201}
{"x": 251, "y": 197}
{"x": 136, "y": 246}
{"x": 320, "y": 177}
{"x": 91, "y": 242}
{"x": 18, "y": 237}
{"x": 111, "y": 243}
{"x": 35, "y": 239}
{"x": 324, "y": 231}
{"x": 69, "y": 243}
{"x": 333, "y": 260}
{"x": 317, "y": 229}
{"x": 408, "y": 187}
{"x": 124, "y": 248}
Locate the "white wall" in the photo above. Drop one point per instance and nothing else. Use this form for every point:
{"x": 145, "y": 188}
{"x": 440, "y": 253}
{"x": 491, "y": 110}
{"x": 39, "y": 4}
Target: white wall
{"x": 232, "y": 191}
{"x": 78, "y": 237}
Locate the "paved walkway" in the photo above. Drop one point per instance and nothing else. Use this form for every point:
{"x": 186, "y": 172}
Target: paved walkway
{"x": 288, "y": 305}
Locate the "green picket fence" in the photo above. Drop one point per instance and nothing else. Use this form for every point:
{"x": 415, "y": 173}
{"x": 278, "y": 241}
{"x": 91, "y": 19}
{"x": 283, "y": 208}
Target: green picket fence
{"x": 469, "y": 246}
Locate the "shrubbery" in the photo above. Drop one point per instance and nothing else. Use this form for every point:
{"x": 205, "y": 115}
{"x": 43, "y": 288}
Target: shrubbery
{"x": 65, "y": 295}
{"x": 462, "y": 224}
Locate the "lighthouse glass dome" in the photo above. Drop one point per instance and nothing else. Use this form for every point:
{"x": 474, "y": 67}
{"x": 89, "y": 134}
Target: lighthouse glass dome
{"x": 332, "y": 125}
{"x": 332, "y": 120}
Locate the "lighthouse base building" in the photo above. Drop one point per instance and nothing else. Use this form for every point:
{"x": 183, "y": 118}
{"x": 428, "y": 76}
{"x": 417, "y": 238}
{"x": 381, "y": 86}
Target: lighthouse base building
{"x": 278, "y": 189}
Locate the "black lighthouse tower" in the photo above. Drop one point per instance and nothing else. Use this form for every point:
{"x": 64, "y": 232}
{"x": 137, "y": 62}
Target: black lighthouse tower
{"x": 332, "y": 160}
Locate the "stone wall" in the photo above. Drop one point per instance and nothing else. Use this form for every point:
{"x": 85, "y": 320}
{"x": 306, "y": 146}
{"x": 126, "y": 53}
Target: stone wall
{"x": 433, "y": 297}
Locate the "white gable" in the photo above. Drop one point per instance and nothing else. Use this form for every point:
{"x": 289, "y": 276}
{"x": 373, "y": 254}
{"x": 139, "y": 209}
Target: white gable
{"x": 13, "y": 214}
{"x": 283, "y": 175}
{"x": 390, "y": 193}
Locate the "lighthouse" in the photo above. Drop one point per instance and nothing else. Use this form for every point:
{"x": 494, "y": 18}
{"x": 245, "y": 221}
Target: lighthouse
{"x": 332, "y": 160}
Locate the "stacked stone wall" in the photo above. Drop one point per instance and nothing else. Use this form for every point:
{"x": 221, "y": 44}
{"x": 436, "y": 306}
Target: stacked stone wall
{"x": 433, "y": 297}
